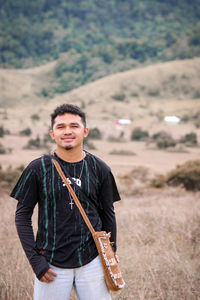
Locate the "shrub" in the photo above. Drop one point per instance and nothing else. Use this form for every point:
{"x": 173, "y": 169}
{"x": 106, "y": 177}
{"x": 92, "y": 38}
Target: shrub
{"x": 25, "y": 132}
{"x": 140, "y": 172}
{"x": 195, "y": 36}
{"x": 133, "y": 181}
{"x": 189, "y": 139}
{"x": 134, "y": 94}
{"x": 186, "y": 118}
{"x": 153, "y": 92}
{"x": 159, "y": 181}
{"x": 88, "y": 145}
{"x": 2, "y": 132}
{"x": 161, "y": 135}
{"x": 178, "y": 149}
{"x": 167, "y": 142}
{"x": 187, "y": 174}
{"x": 33, "y": 144}
{"x": 2, "y": 149}
{"x": 196, "y": 94}
{"x": 9, "y": 176}
{"x": 122, "y": 152}
{"x": 45, "y": 93}
{"x": 66, "y": 83}
{"x": 47, "y": 139}
{"x": 197, "y": 123}
{"x": 191, "y": 117}
{"x": 35, "y": 117}
{"x": 116, "y": 139}
{"x": 95, "y": 134}
{"x": 119, "y": 96}
{"x": 139, "y": 134}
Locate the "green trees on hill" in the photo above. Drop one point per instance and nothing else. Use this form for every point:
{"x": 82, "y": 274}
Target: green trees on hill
{"x": 101, "y": 37}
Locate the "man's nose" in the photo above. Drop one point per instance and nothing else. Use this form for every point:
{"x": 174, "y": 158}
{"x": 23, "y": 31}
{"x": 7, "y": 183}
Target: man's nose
{"x": 68, "y": 130}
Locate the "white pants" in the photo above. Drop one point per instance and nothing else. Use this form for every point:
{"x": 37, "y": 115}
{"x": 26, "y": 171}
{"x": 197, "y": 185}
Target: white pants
{"x": 88, "y": 282}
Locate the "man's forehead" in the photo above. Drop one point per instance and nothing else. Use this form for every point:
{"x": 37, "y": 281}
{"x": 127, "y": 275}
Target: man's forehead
{"x": 68, "y": 118}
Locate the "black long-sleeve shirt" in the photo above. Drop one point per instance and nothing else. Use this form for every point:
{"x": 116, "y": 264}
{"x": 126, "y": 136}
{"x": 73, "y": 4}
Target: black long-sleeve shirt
{"x": 63, "y": 238}
{"x": 23, "y": 221}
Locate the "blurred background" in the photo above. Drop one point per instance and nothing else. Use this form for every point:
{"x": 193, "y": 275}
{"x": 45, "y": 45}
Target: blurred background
{"x": 134, "y": 68}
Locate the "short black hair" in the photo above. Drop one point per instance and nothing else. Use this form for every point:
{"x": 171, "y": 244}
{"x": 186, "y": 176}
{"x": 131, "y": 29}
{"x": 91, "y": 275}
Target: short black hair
{"x": 68, "y": 108}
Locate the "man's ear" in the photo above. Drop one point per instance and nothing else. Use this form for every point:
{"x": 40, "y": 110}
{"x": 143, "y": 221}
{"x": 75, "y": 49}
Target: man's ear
{"x": 52, "y": 134}
{"x": 86, "y": 131}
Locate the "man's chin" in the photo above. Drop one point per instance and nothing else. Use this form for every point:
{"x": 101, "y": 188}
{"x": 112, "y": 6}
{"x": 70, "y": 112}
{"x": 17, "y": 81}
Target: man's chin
{"x": 69, "y": 147}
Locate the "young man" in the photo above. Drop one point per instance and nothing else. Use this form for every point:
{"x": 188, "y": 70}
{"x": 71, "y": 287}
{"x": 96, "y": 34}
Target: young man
{"x": 64, "y": 253}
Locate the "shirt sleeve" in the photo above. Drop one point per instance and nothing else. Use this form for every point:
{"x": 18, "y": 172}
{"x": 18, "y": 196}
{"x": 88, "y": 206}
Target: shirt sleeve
{"x": 25, "y": 232}
{"x": 108, "y": 195}
{"x": 108, "y": 191}
{"x": 26, "y": 189}
{"x": 109, "y": 224}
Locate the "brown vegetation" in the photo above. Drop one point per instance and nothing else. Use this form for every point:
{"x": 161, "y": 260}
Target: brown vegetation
{"x": 9, "y": 176}
{"x": 187, "y": 174}
{"x": 158, "y": 246}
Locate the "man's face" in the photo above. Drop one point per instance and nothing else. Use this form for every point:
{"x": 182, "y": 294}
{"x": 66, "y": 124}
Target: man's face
{"x": 68, "y": 131}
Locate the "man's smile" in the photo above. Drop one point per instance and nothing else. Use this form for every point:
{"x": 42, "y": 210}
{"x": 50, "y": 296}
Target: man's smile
{"x": 68, "y": 138}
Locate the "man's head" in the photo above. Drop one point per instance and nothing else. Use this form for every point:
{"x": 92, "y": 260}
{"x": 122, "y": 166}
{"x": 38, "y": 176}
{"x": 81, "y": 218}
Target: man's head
{"x": 68, "y": 127}
{"x": 70, "y": 109}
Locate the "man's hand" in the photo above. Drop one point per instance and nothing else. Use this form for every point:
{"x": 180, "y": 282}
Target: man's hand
{"x": 48, "y": 276}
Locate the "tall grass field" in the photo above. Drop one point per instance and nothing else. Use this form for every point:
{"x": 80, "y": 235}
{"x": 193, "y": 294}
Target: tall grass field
{"x": 158, "y": 247}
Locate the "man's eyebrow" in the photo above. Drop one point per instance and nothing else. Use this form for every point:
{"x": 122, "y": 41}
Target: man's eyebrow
{"x": 60, "y": 124}
{"x": 72, "y": 123}
{"x": 75, "y": 123}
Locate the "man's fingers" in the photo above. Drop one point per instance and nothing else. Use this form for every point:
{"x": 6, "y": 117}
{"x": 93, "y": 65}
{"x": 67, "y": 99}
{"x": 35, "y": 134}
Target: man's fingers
{"x": 48, "y": 276}
{"x": 43, "y": 279}
{"x": 50, "y": 271}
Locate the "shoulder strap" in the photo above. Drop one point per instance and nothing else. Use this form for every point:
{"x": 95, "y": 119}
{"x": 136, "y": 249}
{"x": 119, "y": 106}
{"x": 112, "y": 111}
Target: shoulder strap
{"x": 73, "y": 194}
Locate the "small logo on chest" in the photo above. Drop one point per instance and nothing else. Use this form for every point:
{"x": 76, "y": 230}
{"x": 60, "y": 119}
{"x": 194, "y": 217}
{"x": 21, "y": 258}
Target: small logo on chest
{"x": 77, "y": 180}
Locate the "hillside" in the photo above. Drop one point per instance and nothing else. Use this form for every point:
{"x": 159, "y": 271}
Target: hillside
{"x": 144, "y": 95}
{"x": 170, "y": 80}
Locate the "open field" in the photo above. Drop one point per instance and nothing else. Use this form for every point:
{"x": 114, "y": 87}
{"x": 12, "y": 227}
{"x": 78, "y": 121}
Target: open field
{"x": 158, "y": 230}
{"x": 158, "y": 245}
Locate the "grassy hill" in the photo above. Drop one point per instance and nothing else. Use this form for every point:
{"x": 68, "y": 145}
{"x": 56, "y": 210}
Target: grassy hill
{"x": 144, "y": 95}
{"x": 169, "y": 80}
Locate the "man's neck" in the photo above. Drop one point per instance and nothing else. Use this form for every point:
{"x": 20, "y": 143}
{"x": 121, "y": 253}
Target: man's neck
{"x": 71, "y": 155}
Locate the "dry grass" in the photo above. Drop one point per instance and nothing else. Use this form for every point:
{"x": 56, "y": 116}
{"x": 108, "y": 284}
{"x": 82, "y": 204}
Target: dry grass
{"x": 15, "y": 274}
{"x": 158, "y": 244}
